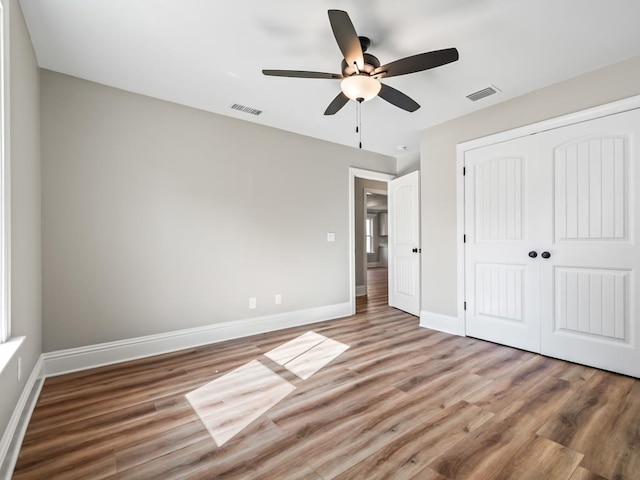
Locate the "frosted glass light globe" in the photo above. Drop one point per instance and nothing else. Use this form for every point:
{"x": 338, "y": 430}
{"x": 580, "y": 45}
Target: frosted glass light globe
{"x": 360, "y": 86}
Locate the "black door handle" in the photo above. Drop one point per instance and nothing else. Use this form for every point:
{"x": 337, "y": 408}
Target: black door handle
{"x": 533, "y": 254}
{"x": 415, "y": 250}
{"x": 545, "y": 255}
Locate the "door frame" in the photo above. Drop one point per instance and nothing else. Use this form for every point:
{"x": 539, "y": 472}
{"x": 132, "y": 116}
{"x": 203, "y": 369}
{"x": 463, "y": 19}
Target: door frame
{"x": 612, "y": 108}
{"x": 367, "y": 175}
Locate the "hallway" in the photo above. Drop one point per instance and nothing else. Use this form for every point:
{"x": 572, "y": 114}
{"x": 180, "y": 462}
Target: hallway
{"x": 377, "y": 291}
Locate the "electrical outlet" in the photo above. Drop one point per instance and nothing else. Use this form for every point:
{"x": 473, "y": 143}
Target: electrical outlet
{"x": 278, "y": 299}
{"x": 19, "y": 368}
{"x": 252, "y": 303}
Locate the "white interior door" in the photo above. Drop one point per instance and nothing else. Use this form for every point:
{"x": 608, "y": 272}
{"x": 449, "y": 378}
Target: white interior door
{"x": 404, "y": 243}
{"x": 502, "y": 280}
{"x": 588, "y": 281}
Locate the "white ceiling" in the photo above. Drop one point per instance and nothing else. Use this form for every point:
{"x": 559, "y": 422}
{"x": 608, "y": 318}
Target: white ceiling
{"x": 209, "y": 54}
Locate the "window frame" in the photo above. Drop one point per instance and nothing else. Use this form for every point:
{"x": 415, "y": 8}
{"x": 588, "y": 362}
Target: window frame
{"x": 5, "y": 190}
{"x": 369, "y": 233}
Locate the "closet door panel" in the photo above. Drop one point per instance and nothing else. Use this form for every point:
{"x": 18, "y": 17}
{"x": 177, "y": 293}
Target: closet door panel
{"x": 502, "y": 280}
{"x": 588, "y": 285}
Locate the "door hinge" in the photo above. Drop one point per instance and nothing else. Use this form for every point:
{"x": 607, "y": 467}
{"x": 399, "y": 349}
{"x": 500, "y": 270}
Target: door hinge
{"x": 464, "y": 171}
{"x": 464, "y": 238}
{"x": 465, "y": 305}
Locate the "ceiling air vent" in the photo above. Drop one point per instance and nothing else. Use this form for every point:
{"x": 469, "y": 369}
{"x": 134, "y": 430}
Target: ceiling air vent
{"x": 242, "y": 108}
{"x": 485, "y": 92}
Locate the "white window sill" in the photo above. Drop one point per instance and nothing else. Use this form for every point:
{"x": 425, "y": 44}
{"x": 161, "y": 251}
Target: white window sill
{"x": 8, "y": 350}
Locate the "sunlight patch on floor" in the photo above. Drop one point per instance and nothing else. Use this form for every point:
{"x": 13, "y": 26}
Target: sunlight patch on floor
{"x": 305, "y": 355}
{"x": 231, "y": 402}
{"x": 293, "y": 348}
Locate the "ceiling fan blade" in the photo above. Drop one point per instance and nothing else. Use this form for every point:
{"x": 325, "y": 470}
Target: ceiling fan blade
{"x": 346, "y": 37}
{"x": 301, "y": 74}
{"x": 418, "y": 63}
{"x": 397, "y": 98}
{"x": 337, "y": 103}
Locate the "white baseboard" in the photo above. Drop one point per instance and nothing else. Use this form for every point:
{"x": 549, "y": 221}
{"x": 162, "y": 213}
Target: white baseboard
{"x": 361, "y": 290}
{"x": 442, "y": 323}
{"x": 82, "y": 358}
{"x": 14, "y": 434}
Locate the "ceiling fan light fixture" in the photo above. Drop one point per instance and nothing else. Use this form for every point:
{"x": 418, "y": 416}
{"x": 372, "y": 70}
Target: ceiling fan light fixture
{"x": 361, "y": 70}
{"x": 360, "y": 86}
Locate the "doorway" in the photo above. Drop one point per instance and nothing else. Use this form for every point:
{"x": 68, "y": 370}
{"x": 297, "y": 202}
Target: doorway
{"x": 372, "y": 244}
{"x": 359, "y": 180}
{"x": 404, "y": 237}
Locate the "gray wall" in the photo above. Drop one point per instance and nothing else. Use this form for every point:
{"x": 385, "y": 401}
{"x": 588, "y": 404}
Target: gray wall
{"x": 159, "y": 217}
{"x": 25, "y": 213}
{"x": 438, "y": 163}
{"x": 408, "y": 163}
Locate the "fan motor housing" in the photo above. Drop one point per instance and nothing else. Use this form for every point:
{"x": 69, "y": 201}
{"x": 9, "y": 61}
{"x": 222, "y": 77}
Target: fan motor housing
{"x": 370, "y": 64}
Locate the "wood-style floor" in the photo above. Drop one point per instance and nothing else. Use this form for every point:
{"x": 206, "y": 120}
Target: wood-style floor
{"x": 401, "y": 403}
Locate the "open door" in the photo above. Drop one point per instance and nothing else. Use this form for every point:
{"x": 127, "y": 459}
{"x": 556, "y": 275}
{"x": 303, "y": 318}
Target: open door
{"x": 404, "y": 243}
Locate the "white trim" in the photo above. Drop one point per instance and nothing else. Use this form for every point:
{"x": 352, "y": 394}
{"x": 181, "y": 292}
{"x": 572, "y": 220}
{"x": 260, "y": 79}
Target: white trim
{"x": 353, "y": 174}
{"x": 361, "y": 290}
{"x": 460, "y": 230}
{"x": 441, "y": 323}
{"x": 82, "y": 358}
{"x": 17, "y": 427}
{"x": 5, "y": 175}
{"x": 612, "y": 108}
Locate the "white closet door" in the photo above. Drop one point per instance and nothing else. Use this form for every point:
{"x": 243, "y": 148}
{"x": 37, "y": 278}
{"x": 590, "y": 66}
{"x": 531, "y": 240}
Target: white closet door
{"x": 501, "y": 215}
{"x": 589, "y": 289}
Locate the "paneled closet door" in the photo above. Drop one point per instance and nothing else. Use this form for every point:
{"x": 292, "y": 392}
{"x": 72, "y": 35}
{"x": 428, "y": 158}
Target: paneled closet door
{"x": 589, "y": 290}
{"x": 502, "y": 207}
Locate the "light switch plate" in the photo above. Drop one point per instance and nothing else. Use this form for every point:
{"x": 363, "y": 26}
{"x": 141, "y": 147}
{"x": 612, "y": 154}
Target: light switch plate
{"x": 331, "y": 237}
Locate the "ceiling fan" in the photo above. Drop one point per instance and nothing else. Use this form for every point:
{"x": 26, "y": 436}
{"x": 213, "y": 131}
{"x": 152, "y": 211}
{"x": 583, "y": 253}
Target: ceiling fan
{"x": 361, "y": 72}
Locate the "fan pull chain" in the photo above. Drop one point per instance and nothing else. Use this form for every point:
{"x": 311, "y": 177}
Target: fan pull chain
{"x": 359, "y": 120}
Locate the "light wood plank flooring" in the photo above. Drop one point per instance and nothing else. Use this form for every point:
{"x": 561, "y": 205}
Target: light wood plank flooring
{"x": 401, "y": 402}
